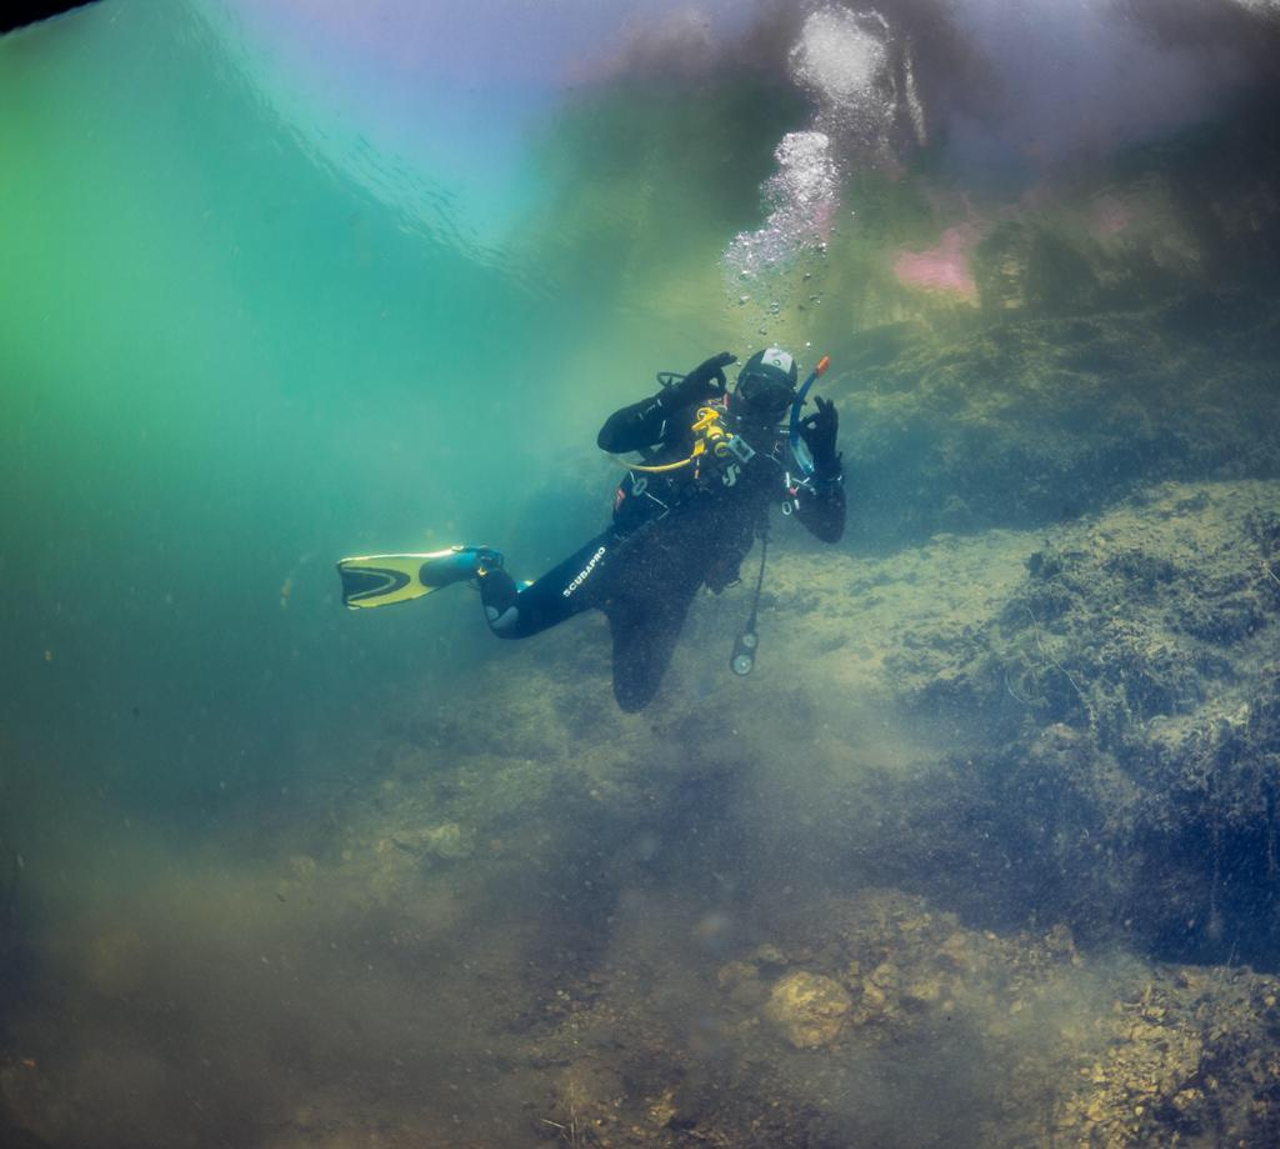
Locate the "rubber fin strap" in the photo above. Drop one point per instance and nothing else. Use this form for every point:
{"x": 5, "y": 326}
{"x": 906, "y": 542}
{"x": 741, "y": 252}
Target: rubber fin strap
{"x": 803, "y": 458}
{"x": 379, "y": 580}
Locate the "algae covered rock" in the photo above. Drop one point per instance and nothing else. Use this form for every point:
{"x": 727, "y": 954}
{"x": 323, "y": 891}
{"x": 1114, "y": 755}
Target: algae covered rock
{"x": 447, "y": 841}
{"x": 742, "y": 982}
{"x": 1114, "y": 717}
{"x": 302, "y": 867}
{"x": 809, "y": 1008}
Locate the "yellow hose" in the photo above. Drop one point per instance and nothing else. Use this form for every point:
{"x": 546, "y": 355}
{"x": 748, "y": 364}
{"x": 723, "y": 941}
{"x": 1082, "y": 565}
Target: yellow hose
{"x": 708, "y": 417}
{"x": 653, "y": 470}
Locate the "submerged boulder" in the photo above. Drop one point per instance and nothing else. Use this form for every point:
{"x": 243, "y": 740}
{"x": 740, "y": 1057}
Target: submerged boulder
{"x": 809, "y": 1008}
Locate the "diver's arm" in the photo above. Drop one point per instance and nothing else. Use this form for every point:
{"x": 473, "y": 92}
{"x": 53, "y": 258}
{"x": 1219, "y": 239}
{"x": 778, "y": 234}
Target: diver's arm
{"x": 819, "y": 502}
{"x": 641, "y": 425}
{"x": 648, "y": 422}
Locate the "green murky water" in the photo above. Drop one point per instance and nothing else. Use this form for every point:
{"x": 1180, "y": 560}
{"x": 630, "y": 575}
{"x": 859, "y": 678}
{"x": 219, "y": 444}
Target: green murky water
{"x": 283, "y": 284}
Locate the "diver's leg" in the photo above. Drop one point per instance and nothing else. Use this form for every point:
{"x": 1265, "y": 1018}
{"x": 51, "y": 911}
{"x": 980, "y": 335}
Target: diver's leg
{"x": 567, "y": 589}
{"x": 644, "y": 638}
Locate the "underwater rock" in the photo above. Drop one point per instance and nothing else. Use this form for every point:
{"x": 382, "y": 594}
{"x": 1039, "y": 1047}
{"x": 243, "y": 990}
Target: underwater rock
{"x": 1038, "y": 420}
{"x": 741, "y": 980}
{"x": 770, "y": 955}
{"x": 1073, "y": 1048}
{"x": 809, "y": 1008}
{"x": 1076, "y": 690}
{"x": 1117, "y": 712}
{"x": 302, "y": 868}
{"x": 447, "y": 841}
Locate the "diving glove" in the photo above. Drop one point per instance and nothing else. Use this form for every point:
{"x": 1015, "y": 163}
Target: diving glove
{"x": 704, "y": 382}
{"x": 819, "y": 431}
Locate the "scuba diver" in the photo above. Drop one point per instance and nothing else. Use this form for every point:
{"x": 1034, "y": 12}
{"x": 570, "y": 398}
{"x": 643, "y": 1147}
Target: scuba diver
{"x": 714, "y": 461}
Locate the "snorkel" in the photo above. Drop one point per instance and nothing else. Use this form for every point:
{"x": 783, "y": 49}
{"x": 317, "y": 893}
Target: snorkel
{"x": 800, "y": 453}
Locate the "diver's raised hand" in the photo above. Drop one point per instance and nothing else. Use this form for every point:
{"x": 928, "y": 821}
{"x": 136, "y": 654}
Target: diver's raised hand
{"x": 706, "y": 381}
{"x": 819, "y": 431}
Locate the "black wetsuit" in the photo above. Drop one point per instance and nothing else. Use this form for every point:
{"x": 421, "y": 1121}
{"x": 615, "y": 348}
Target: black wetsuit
{"x": 671, "y": 534}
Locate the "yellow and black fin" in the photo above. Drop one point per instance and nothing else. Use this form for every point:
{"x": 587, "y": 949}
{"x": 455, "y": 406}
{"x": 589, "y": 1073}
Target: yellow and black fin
{"x": 379, "y": 580}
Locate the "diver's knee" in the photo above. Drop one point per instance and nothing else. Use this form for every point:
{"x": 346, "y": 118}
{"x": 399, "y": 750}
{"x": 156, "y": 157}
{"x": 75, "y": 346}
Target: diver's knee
{"x": 633, "y": 696}
{"x": 498, "y": 593}
{"x": 504, "y": 623}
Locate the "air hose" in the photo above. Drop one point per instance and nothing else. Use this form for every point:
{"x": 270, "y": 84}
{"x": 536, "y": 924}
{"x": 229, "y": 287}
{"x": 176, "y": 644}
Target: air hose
{"x": 743, "y": 659}
{"x": 710, "y": 433}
